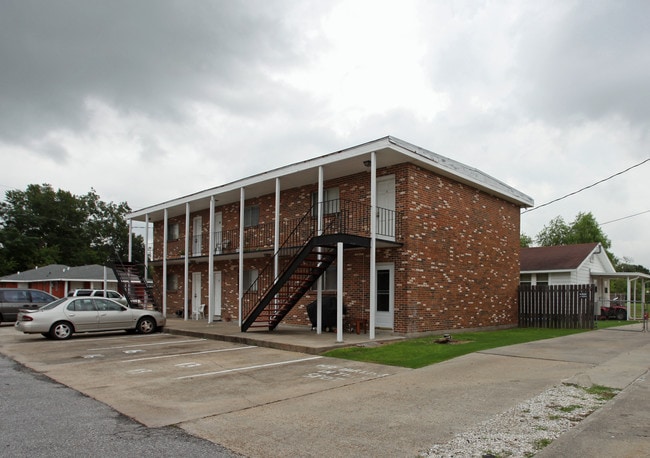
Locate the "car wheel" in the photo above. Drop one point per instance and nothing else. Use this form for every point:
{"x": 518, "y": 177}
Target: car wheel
{"x": 621, "y": 315}
{"x": 146, "y": 325}
{"x": 61, "y": 330}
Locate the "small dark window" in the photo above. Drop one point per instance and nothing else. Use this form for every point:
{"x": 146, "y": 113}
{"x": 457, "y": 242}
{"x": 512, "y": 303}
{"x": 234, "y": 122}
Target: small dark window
{"x": 251, "y": 216}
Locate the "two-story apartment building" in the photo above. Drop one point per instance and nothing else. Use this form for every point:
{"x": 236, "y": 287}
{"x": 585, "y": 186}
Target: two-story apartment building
{"x": 404, "y": 238}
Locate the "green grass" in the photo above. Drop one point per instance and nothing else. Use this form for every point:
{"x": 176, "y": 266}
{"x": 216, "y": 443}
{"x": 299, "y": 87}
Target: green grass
{"x": 423, "y": 351}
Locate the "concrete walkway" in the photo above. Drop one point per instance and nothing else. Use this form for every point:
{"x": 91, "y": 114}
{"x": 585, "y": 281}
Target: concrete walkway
{"x": 285, "y": 337}
{"x": 404, "y": 413}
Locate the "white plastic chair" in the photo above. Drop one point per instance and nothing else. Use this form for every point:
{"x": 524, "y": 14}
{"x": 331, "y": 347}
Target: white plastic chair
{"x": 199, "y": 313}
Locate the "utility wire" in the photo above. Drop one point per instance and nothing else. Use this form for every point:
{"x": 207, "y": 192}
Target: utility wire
{"x": 586, "y": 187}
{"x": 625, "y": 217}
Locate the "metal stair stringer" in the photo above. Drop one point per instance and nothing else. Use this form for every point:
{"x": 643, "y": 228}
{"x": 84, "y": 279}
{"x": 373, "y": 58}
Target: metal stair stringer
{"x": 297, "y": 279}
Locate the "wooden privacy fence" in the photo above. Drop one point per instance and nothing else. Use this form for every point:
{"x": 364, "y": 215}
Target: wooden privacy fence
{"x": 558, "y": 306}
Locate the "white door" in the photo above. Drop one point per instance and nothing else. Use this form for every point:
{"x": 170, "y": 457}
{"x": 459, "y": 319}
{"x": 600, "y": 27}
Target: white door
{"x": 218, "y": 233}
{"x": 196, "y": 292}
{"x": 384, "y": 314}
{"x": 197, "y": 236}
{"x": 217, "y": 294}
{"x": 386, "y": 207}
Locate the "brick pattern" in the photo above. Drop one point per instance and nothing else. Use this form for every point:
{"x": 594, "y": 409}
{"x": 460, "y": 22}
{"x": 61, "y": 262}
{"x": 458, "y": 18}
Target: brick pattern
{"x": 458, "y": 267}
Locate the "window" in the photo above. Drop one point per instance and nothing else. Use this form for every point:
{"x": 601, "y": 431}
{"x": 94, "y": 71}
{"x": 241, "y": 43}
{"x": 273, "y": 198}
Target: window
{"x": 250, "y": 279}
{"x": 330, "y": 201}
{"x": 107, "y": 306}
{"x": 173, "y": 232}
{"x": 541, "y": 279}
{"x": 251, "y": 216}
{"x": 172, "y": 282}
{"x": 525, "y": 279}
{"x": 329, "y": 279}
{"x": 38, "y": 296}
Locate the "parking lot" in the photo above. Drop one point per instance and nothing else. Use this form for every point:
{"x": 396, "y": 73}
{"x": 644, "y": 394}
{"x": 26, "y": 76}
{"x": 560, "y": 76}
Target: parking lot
{"x": 164, "y": 379}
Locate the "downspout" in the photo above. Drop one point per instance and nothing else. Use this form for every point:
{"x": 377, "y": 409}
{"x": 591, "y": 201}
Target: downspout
{"x": 186, "y": 274}
{"x": 373, "y": 243}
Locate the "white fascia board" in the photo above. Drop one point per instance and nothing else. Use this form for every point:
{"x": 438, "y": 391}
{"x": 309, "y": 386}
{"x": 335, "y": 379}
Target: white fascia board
{"x": 542, "y": 271}
{"x": 440, "y": 164}
{"x": 270, "y": 175}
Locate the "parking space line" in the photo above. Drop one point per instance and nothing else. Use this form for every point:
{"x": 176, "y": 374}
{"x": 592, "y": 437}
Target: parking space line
{"x": 149, "y": 344}
{"x": 187, "y": 354}
{"x": 248, "y": 368}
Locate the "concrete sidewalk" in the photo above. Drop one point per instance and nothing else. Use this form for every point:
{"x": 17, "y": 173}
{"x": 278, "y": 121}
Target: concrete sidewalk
{"x": 406, "y": 413}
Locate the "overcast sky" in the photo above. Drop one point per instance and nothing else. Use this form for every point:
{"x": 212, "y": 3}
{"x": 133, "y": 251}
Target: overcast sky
{"x": 146, "y": 101}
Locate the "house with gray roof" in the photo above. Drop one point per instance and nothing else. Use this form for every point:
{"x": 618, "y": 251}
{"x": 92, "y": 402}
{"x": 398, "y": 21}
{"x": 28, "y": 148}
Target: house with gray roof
{"x": 58, "y": 279}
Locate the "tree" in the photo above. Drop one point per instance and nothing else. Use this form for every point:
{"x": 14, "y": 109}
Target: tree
{"x": 525, "y": 241}
{"x": 40, "y": 226}
{"x": 584, "y": 229}
{"x": 556, "y": 233}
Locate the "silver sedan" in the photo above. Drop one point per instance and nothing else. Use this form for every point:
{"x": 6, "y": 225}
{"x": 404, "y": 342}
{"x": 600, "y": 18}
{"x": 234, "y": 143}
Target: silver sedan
{"x": 60, "y": 319}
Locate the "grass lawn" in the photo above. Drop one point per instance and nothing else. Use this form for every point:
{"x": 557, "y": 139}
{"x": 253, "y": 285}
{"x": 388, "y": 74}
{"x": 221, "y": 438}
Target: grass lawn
{"x": 423, "y": 351}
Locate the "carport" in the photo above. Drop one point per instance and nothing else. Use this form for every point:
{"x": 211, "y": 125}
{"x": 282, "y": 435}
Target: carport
{"x": 631, "y": 299}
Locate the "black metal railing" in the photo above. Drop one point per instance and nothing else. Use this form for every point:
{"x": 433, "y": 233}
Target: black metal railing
{"x": 339, "y": 217}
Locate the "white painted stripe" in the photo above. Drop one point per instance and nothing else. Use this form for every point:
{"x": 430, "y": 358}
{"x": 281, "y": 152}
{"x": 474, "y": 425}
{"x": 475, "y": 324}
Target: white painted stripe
{"x": 148, "y": 345}
{"x": 248, "y": 368}
{"x": 186, "y": 354}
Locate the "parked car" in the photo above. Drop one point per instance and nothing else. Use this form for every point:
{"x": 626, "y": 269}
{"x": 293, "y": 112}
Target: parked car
{"x": 60, "y": 319}
{"x": 111, "y": 294}
{"x": 14, "y": 299}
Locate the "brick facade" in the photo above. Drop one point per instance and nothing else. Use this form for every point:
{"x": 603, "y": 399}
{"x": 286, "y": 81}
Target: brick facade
{"x": 457, "y": 268}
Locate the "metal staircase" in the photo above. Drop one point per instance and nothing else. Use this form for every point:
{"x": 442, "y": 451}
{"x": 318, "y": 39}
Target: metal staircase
{"x": 131, "y": 283}
{"x": 307, "y": 254}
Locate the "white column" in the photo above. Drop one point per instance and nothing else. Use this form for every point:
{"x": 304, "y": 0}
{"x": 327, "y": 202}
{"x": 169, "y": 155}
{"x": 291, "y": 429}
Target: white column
{"x": 319, "y": 283}
{"x": 164, "y": 272}
{"x": 276, "y": 243}
{"x": 339, "y": 292}
{"x": 130, "y": 258}
{"x": 186, "y": 274}
{"x": 373, "y": 242}
{"x": 211, "y": 263}
{"x": 242, "y": 203}
{"x": 146, "y": 253}
{"x": 629, "y": 292}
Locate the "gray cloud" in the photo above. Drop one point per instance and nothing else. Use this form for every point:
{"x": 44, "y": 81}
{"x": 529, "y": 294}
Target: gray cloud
{"x": 592, "y": 62}
{"x": 145, "y": 57}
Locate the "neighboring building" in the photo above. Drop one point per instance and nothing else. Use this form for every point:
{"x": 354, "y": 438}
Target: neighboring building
{"x": 58, "y": 279}
{"x": 410, "y": 240}
{"x": 581, "y": 264}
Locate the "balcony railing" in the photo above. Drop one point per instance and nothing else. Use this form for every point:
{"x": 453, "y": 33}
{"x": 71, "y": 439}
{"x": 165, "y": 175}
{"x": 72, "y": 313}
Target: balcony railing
{"x": 339, "y": 216}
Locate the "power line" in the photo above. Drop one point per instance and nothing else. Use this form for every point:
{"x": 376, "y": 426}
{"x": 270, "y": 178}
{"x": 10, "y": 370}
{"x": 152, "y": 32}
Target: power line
{"x": 625, "y": 217}
{"x": 586, "y": 187}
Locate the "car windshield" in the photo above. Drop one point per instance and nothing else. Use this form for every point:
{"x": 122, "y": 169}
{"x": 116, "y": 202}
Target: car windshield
{"x": 51, "y": 305}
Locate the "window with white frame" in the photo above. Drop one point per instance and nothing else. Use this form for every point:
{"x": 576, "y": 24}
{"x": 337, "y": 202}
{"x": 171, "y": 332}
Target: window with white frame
{"x": 173, "y": 232}
{"x": 250, "y": 279}
{"x": 172, "y": 282}
{"x": 329, "y": 279}
{"x": 330, "y": 201}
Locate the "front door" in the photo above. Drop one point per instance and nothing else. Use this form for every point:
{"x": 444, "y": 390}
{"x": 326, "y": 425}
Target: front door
{"x": 197, "y": 236}
{"x": 386, "y": 207}
{"x": 384, "y": 316}
{"x": 196, "y": 292}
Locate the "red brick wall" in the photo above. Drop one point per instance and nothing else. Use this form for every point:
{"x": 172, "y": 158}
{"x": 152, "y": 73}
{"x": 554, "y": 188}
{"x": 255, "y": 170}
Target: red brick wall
{"x": 458, "y": 268}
